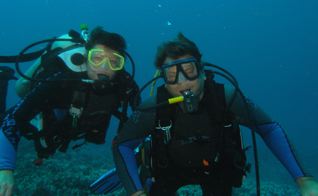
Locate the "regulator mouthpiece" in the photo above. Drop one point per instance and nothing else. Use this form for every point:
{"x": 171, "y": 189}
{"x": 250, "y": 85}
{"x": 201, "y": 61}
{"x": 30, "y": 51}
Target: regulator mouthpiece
{"x": 190, "y": 101}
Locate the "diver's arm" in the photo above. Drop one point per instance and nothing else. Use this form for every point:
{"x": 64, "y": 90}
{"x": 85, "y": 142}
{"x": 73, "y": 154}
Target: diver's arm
{"x": 15, "y": 122}
{"x": 271, "y": 132}
{"x": 17, "y": 119}
{"x": 7, "y": 153}
{"x": 131, "y": 135}
{"x": 239, "y": 108}
{"x": 7, "y": 161}
{"x": 7, "y": 164}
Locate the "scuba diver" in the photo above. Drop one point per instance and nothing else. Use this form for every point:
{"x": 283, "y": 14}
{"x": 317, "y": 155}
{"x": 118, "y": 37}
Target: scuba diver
{"x": 6, "y": 74}
{"x": 197, "y": 139}
{"x": 77, "y": 85}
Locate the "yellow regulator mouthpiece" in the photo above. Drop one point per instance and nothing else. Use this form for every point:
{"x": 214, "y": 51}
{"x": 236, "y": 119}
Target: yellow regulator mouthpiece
{"x": 175, "y": 100}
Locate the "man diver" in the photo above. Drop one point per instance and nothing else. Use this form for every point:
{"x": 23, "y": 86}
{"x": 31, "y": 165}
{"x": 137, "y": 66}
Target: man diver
{"x": 79, "y": 90}
{"x": 196, "y": 141}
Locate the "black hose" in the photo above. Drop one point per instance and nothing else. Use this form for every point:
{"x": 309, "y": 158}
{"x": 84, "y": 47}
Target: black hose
{"x": 133, "y": 66}
{"x": 142, "y": 89}
{"x": 24, "y": 58}
{"x": 17, "y": 66}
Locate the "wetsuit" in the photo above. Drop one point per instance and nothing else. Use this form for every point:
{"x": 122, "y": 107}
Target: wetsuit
{"x": 56, "y": 97}
{"x": 168, "y": 180}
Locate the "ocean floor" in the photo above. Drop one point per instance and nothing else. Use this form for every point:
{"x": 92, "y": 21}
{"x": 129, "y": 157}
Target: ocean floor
{"x": 71, "y": 173}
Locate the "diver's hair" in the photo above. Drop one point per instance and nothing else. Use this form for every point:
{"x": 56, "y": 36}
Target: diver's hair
{"x": 108, "y": 39}
{"x": 176, "y": 48}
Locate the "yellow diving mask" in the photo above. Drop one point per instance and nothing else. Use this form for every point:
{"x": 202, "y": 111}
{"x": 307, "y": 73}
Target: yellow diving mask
{"x": 98, "y": 58}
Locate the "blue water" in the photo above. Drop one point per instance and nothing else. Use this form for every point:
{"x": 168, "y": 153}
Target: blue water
{"x": 270, "y": 46}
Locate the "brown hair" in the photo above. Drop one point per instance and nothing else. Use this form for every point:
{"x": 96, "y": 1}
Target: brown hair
{"x": 176, "y": 48}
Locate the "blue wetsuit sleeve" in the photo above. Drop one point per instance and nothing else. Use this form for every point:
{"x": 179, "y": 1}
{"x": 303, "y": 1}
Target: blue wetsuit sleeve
{"x": 276, "y": 139}
{"x": 252, "y": 116}
{"x": 7, "y": 153}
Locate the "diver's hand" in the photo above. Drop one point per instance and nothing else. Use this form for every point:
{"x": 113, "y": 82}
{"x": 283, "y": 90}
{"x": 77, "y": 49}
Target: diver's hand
{"x": 6, "y": 182}
{"x": 308, "y": 186}
{"x": 139, "y": 193}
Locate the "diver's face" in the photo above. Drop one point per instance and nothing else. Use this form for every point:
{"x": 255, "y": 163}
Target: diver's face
{"x": 99, "y": 59}
{"x": 196, "y": 85}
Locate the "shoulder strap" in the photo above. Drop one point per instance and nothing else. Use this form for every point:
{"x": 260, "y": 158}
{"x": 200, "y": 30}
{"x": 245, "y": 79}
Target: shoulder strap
{"x": 79, "y": 100}
{"x": 214, "y": 99}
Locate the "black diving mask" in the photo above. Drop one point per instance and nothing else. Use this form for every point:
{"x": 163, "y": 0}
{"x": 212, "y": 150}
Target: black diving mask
{"x": 180, "y": 70}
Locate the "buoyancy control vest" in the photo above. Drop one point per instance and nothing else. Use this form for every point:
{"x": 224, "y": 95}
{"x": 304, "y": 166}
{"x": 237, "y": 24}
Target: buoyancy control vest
{"x": 87, "y": 118}
{"x": 206, "y": 141}
{"x": 84, "y": 119}
{"x": 88, "y": 115}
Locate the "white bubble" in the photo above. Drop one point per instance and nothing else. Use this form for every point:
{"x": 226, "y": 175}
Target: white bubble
{"x": 169, "y": 23}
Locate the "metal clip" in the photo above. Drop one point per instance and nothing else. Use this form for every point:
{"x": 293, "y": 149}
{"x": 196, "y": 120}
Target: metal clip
{"x": 75, "y": 113}
{"x": 166, "y": 132}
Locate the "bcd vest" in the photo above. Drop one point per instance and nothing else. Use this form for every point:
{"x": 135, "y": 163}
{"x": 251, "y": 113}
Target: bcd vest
{"x": 208, "y": 140}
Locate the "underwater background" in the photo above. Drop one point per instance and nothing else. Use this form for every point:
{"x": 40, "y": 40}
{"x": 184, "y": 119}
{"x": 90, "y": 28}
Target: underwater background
{"x": 270, "y": 46}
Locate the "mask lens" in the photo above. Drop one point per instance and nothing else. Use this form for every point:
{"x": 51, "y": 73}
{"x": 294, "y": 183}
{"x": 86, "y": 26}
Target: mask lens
{"x": 170, "y": 74}
{"x": 116, "y": 62}
{"x": 190, "y": 70}
{"x": 96, "y": 57}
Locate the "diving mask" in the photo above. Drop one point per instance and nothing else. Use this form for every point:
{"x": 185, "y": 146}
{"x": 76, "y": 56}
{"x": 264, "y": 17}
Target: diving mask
{"x": 180, "y": 70}
{"x": 99, "y": 58}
